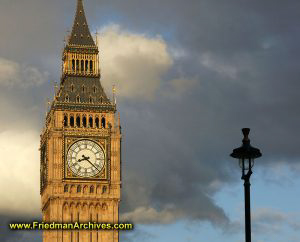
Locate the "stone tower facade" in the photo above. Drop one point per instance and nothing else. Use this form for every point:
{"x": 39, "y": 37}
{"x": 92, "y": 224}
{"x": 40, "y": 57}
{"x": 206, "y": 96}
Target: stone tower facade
{"x": 81, "y": 145}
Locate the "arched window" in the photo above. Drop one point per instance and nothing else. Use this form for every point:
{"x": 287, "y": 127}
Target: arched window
{"x": 78, "y": 99}
{"x": 86, "y": 66}
{"x": 85, "y": 189}
{"x": 90, "y": 99}
{"x": 97, "y": 122}
{"x": 77, "y": 65}
{"x": 66, "y": 188}
{"x": 95, "y": 89}
{"x": 78, "y": 189}
{"x": 84, "y": 121}
{"x": 92, "y": 189}
{"x": 73, "y": 65}
{"x": 104, "y": 189}
{"x": 66, "y": 120}
{"x": 103, "y": 122}
{"x": 78, "y": 121}
{"x": 72, "y": 88}
{"x": 72, "y": 121}
{"x": 91, "y": 122}
{"x": 83, "y": 88}
{"x": 67, "y": 98}
{"x": 82, "y": 65}
{"x": 91, "y": 66}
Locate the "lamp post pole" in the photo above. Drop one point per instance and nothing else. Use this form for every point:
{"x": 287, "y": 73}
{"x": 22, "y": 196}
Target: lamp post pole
{"x": 246, "y": 155}
{"x": 247, "y": 206}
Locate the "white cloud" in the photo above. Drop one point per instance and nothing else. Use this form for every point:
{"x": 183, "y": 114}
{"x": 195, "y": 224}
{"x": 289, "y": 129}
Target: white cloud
{"x": 13, "y": 73}
{"x": 136, "y": 63}
{"x": 19, "y": 173}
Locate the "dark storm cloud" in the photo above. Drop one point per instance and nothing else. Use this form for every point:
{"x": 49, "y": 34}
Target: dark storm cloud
{"x": 8, "y": 235}
{"x": 245, "y": 58}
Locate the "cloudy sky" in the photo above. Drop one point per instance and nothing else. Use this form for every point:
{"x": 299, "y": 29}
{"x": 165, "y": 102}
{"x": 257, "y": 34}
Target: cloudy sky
{"x": 189, "y": 74}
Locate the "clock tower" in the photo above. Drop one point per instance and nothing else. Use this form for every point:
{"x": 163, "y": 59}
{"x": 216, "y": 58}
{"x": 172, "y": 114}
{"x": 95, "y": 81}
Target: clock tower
{"x": 81, "y": 145}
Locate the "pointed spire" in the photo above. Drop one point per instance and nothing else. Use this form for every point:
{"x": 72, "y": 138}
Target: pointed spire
{"x": 80, "y": 32}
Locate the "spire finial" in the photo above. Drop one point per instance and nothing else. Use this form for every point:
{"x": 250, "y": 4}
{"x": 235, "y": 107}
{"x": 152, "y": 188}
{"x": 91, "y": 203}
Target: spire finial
{"x": 97, "y": 38}
{"x": 114, "y": 94}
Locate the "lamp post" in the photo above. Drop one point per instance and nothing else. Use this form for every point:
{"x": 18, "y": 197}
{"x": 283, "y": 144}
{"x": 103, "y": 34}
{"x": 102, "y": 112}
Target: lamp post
{"x": 246, "y": 155}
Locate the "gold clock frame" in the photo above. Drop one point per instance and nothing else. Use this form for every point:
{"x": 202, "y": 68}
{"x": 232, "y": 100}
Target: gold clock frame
{"x": 104, "y": 142}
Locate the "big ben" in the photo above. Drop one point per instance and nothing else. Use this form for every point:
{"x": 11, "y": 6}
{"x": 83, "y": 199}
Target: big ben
{"x": 81, "y": 145}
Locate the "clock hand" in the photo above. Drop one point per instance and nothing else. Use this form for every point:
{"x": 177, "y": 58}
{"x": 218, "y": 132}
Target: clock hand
{"x": 93, "y": 165}
{"x": 84, "y": 158}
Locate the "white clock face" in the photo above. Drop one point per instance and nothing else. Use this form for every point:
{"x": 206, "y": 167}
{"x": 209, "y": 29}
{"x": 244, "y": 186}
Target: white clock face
{"x": 85, "y": 158}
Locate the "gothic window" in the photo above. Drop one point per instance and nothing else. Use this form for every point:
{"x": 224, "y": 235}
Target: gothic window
{"x": 73, "y": 65}
{"x": 72, "y": 88}
{"x": 95, "y": 89}
{"x": 66, "y": 188}
{"x": 77, "y": 65}
{"x": 85, "y": 189}
{"x": 90, "y": 99}
{"x": 78, "y": 189}
{"x": 78, "y": 121}
{"x": 101, "y": 99}
{"x": 78, "y": 99}
{"x": 104, "y": 189}
{"x": 97, "y": 122}
{"x": 91, "y": 66}
{"x": 103, "y": 122}
{"x": 92, "y": 189}
{"x": 82, "y": 65}
{"x": 83, "y": 88}
{"x": 91, "y": 122}
{"x": 84, "y": 121}
{"x": 86, "y": 65}
{"x": 66, "y": 120}
{"x": 72, "y": 121}
{"x": 67, "y": 98}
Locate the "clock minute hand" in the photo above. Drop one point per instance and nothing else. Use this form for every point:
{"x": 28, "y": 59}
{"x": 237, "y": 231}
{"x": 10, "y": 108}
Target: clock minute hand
{"x": 92, "y": 164}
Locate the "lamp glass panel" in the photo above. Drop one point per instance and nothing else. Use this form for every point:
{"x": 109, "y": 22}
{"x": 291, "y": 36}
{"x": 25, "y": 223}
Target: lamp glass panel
{"x": 248, "y": 163}
{"x": 241, "y": 163}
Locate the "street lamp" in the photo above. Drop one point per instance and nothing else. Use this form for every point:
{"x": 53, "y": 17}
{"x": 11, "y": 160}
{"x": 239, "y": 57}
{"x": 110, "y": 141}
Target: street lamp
{"x": 246, "y": 155}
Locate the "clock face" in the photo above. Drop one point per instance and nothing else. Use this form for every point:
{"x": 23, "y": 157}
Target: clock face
{"x": 85, "y": 158}
{"x": 43, "y": 167}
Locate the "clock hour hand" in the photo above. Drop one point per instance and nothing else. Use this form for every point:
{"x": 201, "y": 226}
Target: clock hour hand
{"x": 84, "y": 158}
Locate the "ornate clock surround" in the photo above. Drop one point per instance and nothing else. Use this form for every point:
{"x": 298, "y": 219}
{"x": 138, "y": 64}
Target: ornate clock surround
{"x": 103, "y": 141}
